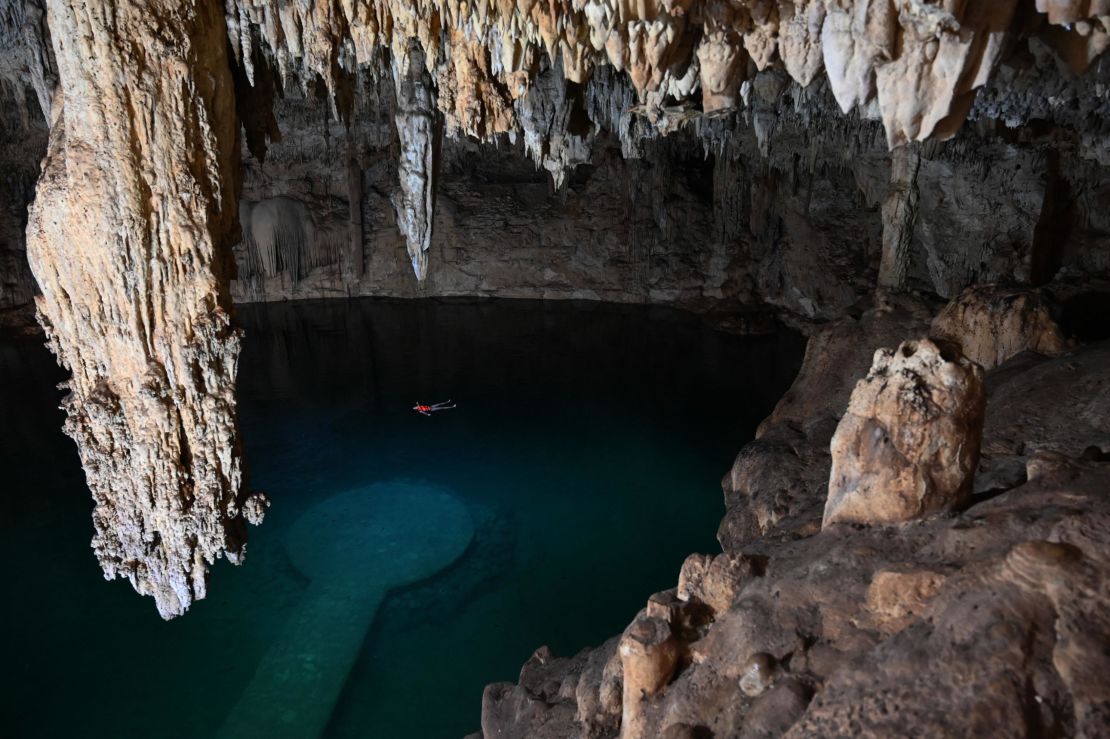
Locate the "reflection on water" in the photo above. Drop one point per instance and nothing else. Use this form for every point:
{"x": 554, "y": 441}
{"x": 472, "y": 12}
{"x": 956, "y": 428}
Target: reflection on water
{"x": 580, "y": 467}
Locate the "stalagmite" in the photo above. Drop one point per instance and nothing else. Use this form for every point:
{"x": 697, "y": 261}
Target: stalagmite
{"x": 136, "y": 203}
{"x": 909, "y": 442}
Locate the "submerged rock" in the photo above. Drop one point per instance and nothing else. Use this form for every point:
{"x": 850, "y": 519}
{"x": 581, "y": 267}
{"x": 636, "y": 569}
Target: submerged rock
{"x": 909, "y": 443}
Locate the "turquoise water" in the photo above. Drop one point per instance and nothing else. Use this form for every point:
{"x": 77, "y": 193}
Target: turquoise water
{"x": 406, "y": 561}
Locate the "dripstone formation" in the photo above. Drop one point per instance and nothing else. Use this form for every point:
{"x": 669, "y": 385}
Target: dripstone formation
{"x": 127, "y": 239}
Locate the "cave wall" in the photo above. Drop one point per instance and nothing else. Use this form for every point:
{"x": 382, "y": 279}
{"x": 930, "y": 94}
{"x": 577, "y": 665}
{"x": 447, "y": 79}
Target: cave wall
{"x": 27, "y": 76}
{"x": 784, "y": 203}
{"x": 22, "y": 144}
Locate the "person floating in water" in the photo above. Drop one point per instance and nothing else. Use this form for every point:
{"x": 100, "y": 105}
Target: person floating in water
{"x": 427, "y": 410}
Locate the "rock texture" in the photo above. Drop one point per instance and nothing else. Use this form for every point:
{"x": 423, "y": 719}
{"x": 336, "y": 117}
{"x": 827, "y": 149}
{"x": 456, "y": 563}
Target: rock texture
{"x": 541, "y": 73}
{"x": 706, "y": 154}
{"x": 27, "y": 78}
{"x": 987, "y": 621}
{"x": 908, "y": 444}
{"x": 992, "y": 324}
{"x": 707, "y": 217}
{"x": 135, "y": 205}
{"x": 778, "y": 484}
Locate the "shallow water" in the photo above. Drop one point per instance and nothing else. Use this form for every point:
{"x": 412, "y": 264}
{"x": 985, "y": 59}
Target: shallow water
{"x": 581, "y": 466}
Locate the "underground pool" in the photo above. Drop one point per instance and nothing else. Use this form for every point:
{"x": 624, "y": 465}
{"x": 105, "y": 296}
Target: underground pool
{"x": 407, "y": 560}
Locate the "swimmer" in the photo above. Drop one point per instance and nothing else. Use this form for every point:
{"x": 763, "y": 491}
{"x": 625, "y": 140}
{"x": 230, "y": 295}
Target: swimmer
{"x": 427, "y": 410}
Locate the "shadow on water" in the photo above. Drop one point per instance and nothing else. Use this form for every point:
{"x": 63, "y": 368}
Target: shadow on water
{"x": 587, "y": 449}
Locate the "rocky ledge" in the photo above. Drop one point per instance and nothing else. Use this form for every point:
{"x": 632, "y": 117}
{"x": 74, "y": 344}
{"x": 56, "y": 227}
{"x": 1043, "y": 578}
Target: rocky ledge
{"x": 924, "y": 552}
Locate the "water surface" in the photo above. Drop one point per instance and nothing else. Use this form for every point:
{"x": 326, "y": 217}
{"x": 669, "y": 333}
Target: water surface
{"x": 583, "y": 461}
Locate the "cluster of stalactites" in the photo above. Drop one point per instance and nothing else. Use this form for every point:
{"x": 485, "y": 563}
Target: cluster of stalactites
{"x": 916, "y": 61}
{"x": 914, "y": 64}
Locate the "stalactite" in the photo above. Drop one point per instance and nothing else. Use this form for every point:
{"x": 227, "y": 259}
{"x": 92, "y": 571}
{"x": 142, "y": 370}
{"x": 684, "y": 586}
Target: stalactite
{"x": 127, "y": 239}
{"x": 354, "y": 251}
{"x": 419, "y": 137}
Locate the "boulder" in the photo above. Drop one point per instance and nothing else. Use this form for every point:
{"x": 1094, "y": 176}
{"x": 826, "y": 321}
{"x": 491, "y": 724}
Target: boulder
{"x": 992, "y": 324}
{"x": 909, "y": 443}
{"x": 715, "y": 581}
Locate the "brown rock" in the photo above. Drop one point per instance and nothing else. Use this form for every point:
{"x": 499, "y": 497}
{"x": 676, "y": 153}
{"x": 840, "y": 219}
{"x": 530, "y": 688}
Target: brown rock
{"x": 715, "y": 581}
{"x": 758, "y": 674}
{"x": 909, "y": 443}
{"x": 649, "y": 655}
{"x": 776, "y": 710}
{"x": 599, "y": 692}
{"x": 992, "y": 324}
{"x": 895, "y": 599}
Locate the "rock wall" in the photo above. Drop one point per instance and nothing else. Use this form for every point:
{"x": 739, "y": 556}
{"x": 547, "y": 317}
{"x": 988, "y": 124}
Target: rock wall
{"x": 27, "y": 78}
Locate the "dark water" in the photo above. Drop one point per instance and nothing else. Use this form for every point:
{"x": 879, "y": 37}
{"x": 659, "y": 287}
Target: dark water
{"x": 585, "y": 457}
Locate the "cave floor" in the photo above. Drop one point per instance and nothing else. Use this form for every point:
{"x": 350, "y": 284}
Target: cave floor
{"x": 581, "y": 466}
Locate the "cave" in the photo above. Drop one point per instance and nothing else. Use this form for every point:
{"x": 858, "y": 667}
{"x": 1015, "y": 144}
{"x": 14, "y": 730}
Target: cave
{"x": 690, "y": 368}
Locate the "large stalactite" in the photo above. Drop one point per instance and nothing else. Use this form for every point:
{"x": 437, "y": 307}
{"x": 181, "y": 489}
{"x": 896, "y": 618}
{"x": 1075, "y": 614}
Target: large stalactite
{"x": 127, "y": 238}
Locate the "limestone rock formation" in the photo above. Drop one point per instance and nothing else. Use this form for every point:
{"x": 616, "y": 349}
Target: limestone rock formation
{"x": 649, "y": 653}
{"x": 989, "y": 621}
{"x": 796, "y": 182}
{"x": 992, "y": 324}
{"x": 916, "y": 66}
{"x": 909, "y": 442}
{"x": 778, "y": 484}
{"x": 417, "y": 131}
{"x": 135, "y": 206}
